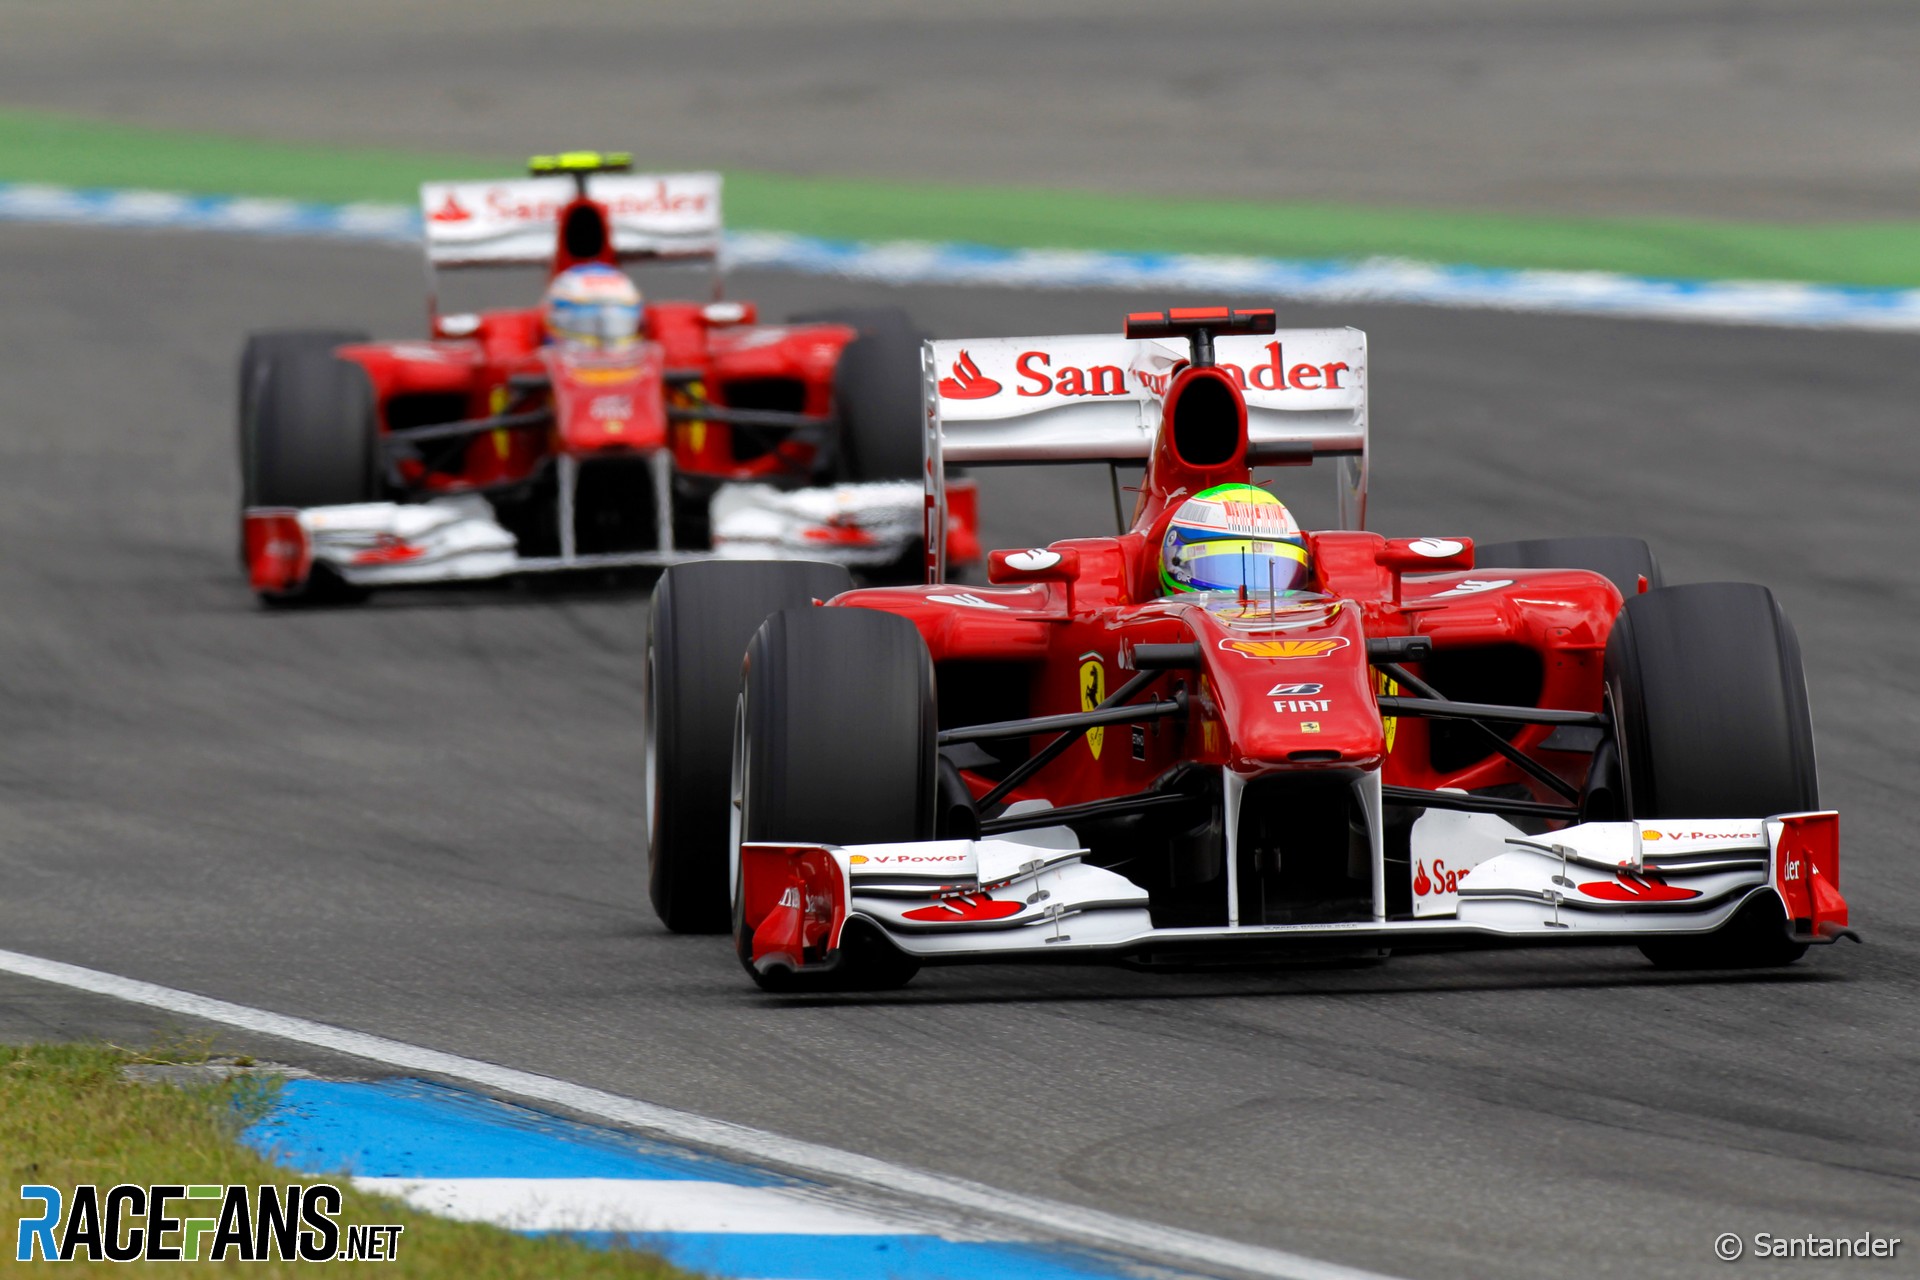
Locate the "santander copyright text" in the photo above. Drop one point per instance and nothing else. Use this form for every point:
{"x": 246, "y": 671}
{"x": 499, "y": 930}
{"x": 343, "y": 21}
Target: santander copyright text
{"x": 1731, "y": 1247}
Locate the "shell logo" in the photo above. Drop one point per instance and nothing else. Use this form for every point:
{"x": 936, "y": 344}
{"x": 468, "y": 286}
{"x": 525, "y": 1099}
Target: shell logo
{"x": 1285, "y": 648}
{"x": 1650, "y": 835}
{"x": 857, "y": 859}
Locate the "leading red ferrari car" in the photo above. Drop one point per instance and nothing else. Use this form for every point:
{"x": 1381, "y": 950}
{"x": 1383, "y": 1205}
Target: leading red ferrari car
{"x": 500, "y": 445}
{"x": 1215, "y": 736}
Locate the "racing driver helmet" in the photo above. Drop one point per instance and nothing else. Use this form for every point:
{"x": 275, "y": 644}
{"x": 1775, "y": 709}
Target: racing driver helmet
{"x": 593, "y": 306}
{"x": 1230, "y": 537}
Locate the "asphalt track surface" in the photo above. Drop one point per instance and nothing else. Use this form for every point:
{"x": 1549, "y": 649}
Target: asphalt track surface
{"x": 1779, "y": 109}
{"x": 421, "y": 818}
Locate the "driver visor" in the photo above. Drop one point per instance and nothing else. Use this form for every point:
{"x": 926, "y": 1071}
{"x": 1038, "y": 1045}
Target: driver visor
{"x": 1228, "y": 564}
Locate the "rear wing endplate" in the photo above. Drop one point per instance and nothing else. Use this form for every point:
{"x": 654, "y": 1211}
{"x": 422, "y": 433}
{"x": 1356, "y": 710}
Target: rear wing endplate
{"x": 672, "y": 216}
{"x": 1097, "y": 398}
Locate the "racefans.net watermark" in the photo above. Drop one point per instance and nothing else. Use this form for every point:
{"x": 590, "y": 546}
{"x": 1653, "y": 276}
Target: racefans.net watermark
{"x": 1730, "y": 1246}
{"x": 181, "y": 1223}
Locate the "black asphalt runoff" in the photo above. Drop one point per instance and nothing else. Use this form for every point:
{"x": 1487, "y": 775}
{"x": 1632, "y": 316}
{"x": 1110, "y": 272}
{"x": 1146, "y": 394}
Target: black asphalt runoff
{"x": 422, "y": 818}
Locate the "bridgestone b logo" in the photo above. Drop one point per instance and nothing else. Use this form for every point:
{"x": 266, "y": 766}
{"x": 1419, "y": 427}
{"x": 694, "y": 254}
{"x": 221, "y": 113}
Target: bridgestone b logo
{"x": 176, "y": 1223}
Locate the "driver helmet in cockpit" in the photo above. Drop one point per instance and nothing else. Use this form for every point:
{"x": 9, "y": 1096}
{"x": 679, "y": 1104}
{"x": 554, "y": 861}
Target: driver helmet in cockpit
{"x": 593, "y": 307}
{"x": 1234, "y": 537}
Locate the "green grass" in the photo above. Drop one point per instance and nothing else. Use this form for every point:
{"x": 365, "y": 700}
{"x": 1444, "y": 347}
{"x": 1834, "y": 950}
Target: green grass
{"x": 43, "y": 147}
{"x": 67, "y": 1116}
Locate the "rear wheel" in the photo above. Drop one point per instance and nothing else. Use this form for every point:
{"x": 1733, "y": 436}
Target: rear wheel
{"x": 836, "y": 745}
{"x": 1711, "y": 720}
{"x": 1623, "y": 561}
{"x": 703, "y": 615}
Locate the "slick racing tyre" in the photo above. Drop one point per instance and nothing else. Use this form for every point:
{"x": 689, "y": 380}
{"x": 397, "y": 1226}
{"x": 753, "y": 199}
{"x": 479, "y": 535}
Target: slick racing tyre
{"x": 876, "y": 391}
{"x": 261, "y": 350}
{"x": 702, "y": 618}
{"x": 308, "y": 437}
{"x": 307, "y": 431}
{"x": 836, "y": 744}
{"x": 1622, "y": 561}
{"x": 1711, "y": 719}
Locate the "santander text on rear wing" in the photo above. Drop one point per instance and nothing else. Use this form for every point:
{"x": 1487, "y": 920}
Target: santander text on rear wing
{"x": 513, "y": 221}
{"x": 1097, "y": 398}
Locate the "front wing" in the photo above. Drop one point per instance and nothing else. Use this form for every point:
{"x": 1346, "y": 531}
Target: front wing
{"x": 458, "y": 538}
{"x": 1033, "y": 895}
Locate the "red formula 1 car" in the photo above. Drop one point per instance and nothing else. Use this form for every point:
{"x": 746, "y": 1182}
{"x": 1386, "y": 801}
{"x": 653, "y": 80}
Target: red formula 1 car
{"x": 487, "y": 450}
{"x": 1360, "y": 743}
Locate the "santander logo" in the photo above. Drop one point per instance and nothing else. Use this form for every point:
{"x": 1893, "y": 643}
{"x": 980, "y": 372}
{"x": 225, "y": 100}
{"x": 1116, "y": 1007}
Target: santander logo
{"x": 451, "y": 212}
{"x": 967, "y": 382}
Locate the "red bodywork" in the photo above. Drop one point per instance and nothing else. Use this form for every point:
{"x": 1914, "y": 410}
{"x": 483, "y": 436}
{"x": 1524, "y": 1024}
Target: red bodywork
{"x": 691, "y": 354}
{"x": 1301, "y": 701}
{"x": 687, "y": 359}
{"x": 1241, "y": 716}
{"x": 1239, "y": 767}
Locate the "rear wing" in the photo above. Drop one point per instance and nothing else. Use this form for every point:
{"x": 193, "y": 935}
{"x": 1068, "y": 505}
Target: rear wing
{"x": 673, "y": 216}
{"x": 1097, "y": 398}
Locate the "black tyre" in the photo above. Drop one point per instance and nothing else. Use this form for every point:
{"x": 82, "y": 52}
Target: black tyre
{"x": 702, "y": 618}
{"x": 1711, "y": 720}
{"x": 876, "y": 391}
{"x": 1622, "y": 561}
{"x": 266, "y": 360}
{"x": 837, "y": 745}
{"x": 260, "y": 350}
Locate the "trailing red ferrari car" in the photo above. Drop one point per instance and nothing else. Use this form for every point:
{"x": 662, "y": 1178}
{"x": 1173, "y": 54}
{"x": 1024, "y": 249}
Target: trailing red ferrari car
{"x": 595, "y": 430}
{"x": 1216, "y": 736}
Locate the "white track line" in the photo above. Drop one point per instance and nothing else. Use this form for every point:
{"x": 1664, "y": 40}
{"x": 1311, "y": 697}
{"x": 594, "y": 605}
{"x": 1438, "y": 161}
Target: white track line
{"x": 758, "y": 1146}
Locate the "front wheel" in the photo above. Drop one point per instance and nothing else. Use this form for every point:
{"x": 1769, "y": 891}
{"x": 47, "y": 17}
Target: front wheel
{"x": 309, "y": 437}
{"x": 836, "y": 745}
{"x": 1711, "y": 720}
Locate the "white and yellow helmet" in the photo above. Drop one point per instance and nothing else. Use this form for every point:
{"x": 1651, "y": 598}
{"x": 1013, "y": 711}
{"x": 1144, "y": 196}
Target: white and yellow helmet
{"x": 593, "y": 306}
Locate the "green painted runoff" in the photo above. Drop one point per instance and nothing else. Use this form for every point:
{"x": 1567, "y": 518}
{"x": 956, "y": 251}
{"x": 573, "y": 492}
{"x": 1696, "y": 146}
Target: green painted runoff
{"x": 69, "y": 150}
